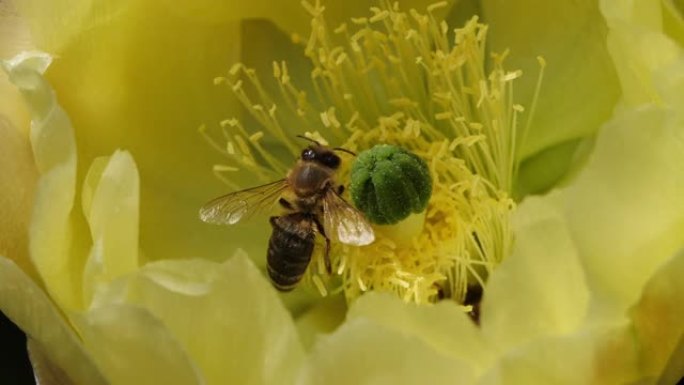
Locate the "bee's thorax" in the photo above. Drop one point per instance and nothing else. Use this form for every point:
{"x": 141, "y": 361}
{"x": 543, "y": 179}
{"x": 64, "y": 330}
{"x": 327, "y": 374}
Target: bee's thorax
{"x": 309, "y": 179}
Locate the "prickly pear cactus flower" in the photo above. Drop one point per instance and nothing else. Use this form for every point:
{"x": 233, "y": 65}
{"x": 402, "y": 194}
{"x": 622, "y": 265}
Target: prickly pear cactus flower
{"x": 519, "y": 164}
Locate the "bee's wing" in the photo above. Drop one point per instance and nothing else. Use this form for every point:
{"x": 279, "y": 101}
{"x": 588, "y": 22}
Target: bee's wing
{"x": 231, "y": 208}
{"x": 347, "y": 223}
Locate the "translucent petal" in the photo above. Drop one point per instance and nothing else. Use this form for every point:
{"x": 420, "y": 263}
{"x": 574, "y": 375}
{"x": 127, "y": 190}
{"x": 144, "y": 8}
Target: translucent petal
{"x": 54, "y": 151}
{"x": 577, "y": 94}
{"x": 56, "y": 24}
{"x": 14, "y": 38}
{"x": 323, "y": 317}
{"x": 133, "y": 347}
{"x": 45, "y": 371}
{"x": 17, "y": 182}
{"x": 659, "y": 321}
{"x": 640, "y": 51}
{"x": 13, "y": 112}
{"x": 602, "y": 355}
{"x": 226, "y": 316}
{"x": 14, "y": 33}
{"x": 111, "y": 209}
{"x": 445, "y": 326}
{"x": 540, "y": 289}
{"x": 27, "y": 305}
{"x": 673, "y": 20}
{"x": 644, "y": 13}
{"x": 625, "y": 210}
{"x": 364, "y": 352}
{"x": 110, "y": 205}
{"x": 90, "y": 184}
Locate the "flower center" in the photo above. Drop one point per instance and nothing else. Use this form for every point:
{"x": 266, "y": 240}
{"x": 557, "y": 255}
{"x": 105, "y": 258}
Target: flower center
{"x": 403, "y": 79}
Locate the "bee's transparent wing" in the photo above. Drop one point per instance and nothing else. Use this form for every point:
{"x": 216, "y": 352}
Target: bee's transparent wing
{"x": 231, "y": 208}
{"x": 344, "y": 221}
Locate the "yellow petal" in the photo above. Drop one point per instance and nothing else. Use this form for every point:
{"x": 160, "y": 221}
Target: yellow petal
{"x": 644, "y": 13}
{"x": 91, "y": 181}
{"x": 17, "y": 183}
{"x": 323, "y": 317}
{"x": 540, "y": 289}
{"x": 14, "y": 33}
{"x": 18, "y": 174}
{"x": 226, "y": 316}
{"x": 44, "y": 370}
{"x": 110, "y": 204}
{"x": 444, "y": 327}
{"x": 113, "y": 214}
{"x": 56, "y": 24}
{"x": 14, "y": 38}
{"x": 577, "y": 94}
{"x": 624, "y": 210}
{"x": 54, "y": 151}
{"x": 363, "y": 352}
{"x": 659, "y": 321}
{"x": 673, "y": 19}
{"x": 602, "y": 355}
{"x": 133, "y": 347}
{"x": 27, "y": 305}
{"x": 639, "y": 49}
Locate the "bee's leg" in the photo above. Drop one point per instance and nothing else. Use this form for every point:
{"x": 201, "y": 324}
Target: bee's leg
{"x": 321, "y": 230}
{"x": 340, "y": 189}
{"x": 283, "y": 202}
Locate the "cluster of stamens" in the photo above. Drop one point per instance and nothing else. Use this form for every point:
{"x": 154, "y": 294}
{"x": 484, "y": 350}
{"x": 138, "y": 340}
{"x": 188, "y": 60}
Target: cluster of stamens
{"x": 403, "y": 79}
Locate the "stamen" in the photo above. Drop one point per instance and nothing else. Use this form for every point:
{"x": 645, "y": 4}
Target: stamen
{"x": 319, "y": 285}
{"x": 533, "y": 108}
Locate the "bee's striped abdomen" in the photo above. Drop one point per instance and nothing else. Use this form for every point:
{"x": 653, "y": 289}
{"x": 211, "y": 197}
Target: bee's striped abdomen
{"x": 290, "y": 249}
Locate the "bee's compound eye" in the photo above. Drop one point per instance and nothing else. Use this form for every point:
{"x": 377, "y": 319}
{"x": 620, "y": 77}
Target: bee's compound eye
{"x": 308, "y": 154}
{"x": 331, "y": 160}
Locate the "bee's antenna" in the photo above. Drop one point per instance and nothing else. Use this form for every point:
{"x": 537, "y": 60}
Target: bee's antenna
{"x": 344, "y": 150}
{"x": 309, "y": 139}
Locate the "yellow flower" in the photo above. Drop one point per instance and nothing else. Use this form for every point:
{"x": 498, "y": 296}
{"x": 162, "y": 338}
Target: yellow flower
{"x": 589, "y": 294}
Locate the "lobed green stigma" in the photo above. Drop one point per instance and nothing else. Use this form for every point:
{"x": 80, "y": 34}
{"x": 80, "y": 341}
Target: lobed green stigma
{"x": 388, "y": 183}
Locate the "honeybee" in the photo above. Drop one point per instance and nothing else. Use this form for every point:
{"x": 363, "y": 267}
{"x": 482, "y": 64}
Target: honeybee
{"x": 316, "y": 207}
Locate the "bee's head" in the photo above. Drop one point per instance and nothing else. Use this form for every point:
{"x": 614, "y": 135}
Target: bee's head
{"x": 322, "y": 155}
